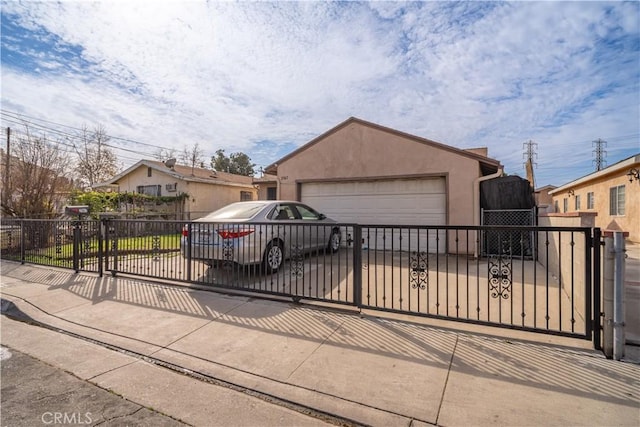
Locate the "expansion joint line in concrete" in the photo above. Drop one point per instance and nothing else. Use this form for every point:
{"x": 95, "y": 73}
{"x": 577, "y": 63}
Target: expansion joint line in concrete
{"x": 446, "y": 380}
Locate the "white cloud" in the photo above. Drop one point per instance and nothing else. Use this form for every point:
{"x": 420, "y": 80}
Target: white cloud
{"x": 227, "y": 75}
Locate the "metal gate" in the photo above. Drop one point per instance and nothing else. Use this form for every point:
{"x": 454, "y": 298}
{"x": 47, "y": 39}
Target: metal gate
{"x": 540, "y": 279}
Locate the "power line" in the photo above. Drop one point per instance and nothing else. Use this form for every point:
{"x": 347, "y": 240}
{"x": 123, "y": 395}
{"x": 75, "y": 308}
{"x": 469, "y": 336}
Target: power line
{"x": 20, "y": 115}
{"x": 69, "y": 136}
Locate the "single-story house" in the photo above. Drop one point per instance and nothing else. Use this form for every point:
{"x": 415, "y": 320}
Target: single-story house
{"x": 207, "y": 190}
{"x": 544, "y": 201}
{"x": 267, "y": 186}
{"x": 362, "y": 172}
{"x": 612, "y": 193}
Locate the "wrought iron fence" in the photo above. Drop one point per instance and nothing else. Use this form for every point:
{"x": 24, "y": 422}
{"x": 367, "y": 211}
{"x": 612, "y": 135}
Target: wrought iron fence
{"x": 432, "y": 271}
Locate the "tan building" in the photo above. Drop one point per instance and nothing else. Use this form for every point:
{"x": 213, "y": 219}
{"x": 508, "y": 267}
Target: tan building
{"x": 544, "y": 200}
{"x": 366, "y": 173}
{"x": 613, "y": 194}
{"x": 207, "y": 190}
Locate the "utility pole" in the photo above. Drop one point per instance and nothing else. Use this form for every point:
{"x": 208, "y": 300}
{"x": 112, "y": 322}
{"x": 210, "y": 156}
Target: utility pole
{"x": 5, "y": 190}
{"x": 529, "y": 153}
{"x": 600, "y": 153}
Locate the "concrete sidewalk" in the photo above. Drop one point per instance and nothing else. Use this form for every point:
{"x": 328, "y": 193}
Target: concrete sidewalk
{"x": 206, "y": 358}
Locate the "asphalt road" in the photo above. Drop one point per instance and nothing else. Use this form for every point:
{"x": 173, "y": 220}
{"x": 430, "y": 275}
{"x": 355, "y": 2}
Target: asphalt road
{"x": 34, "y": 393}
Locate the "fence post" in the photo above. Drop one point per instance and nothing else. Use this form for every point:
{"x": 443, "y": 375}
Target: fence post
{"x": 357, "y": 266}
{"x": 76, "y": 246}
{"x": 607, "y": 328}
{"x": 597, "y": 289}
{"x": 188, "y": 251}
{"x": 618, "y": 295}
{"x": 23, "y": 241}
{"x": 101, "y": 231}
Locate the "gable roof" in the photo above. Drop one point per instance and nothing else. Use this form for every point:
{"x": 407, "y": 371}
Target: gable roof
{"x": 487, "y": 164}
{"x": 622, "y": 164}
{"x": 187, "y": 173}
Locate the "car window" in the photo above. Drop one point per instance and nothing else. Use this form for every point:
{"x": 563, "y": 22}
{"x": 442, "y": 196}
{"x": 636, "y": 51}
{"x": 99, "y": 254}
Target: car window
{"x": 236, "y": 211}
{"x": 306, "y": 213}
{"x": 283, "y": 212}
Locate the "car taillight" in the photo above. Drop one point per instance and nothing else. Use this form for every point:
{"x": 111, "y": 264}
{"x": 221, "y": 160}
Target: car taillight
{"x": 235, "y": 234}
{"x": 185, "y": 231}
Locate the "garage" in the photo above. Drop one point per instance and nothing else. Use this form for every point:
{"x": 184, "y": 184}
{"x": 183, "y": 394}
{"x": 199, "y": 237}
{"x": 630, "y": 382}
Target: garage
{"x": 416, "y": 201}
{"x": 365, "y": 173}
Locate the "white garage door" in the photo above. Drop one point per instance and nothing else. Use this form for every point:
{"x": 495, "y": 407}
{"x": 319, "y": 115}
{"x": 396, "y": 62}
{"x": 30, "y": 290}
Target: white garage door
{"x": 389, "y": 202}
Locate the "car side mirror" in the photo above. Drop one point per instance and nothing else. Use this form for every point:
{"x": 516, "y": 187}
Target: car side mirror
{"x": 321, "y": 216}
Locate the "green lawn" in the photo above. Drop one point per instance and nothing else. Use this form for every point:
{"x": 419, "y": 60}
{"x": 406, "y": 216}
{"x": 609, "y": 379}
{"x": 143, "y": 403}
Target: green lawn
{"x": 63, "y": 255}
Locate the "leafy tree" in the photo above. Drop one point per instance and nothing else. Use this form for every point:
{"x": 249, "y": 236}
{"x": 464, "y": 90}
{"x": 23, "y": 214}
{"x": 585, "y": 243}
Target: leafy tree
{"x": 36, "y": 181}
{"x": 96, "y": 161}
{"x": 237, "y": 163}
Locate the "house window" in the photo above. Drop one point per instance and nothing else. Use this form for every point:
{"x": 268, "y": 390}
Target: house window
{"x": 578, "y": 202}
{"x": 556, "y": 208}
{"x": 565, "y": 205}
{"x": 616, "y": 200}
{"x": 245, "y": 196}
{"x": 150, "y": 190}
{"x": 590, "y": 200}
{"x": 271, "y": 193}
{"x": 149, "y": 172}
{"x": 171, "y": 187}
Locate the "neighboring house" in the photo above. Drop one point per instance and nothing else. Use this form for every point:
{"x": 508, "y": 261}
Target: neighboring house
{"x": 544, "y": 200}
{"x": 361, "y": 172}
{"x": 612, "y": 193}
{"x": 267, "y": 187}
{"x": 207, "y": 190}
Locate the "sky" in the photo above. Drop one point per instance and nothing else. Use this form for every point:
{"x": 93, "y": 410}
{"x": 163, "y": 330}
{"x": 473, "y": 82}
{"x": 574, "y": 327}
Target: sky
{"x": 264, "y": 78}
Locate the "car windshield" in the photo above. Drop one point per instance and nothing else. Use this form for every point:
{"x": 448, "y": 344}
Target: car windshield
{"x": 236, "y": 211}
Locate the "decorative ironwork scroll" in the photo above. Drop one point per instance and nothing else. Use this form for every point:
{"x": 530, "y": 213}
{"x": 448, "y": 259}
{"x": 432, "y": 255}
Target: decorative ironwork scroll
{"x": 419, "y": 264}
{"x": 227, "y": 254}
{"x": 297, "y": 264}
{"x": 500, "y": 276}
{"x": 155, "y": 247}
{"x": 59, "y": 237}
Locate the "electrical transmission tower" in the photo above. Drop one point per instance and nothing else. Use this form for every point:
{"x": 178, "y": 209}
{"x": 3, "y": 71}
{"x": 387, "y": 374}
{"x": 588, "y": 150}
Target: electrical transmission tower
{"x": 530, "y": 153}
{"x": 600, "y": 153}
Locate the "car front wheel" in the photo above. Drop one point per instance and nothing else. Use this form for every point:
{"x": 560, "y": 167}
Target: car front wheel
{"x": 273, "y": 257}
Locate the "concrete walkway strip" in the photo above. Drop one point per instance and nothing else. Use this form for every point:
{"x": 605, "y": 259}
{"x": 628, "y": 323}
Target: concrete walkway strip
{"x": 363, "y": 370}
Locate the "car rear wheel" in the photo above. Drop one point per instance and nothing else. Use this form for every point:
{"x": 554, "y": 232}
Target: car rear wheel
{"x": 334, "y": 241}
{"x": 273, "y": 257}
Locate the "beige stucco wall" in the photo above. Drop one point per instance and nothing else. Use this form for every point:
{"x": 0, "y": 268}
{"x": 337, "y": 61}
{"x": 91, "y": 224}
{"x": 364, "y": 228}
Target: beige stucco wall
{"x": 629, "y": 222}
{"x": 358, "y": 151}
{"x": 131, "y": 181}
{"x": 563, "y": 253}
{"x": 203, "y": 197}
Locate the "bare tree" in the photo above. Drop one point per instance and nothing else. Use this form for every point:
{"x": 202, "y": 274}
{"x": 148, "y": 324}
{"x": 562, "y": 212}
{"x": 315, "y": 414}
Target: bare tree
{"x": 37, "y": 170}
{"x": 96, "y": 161}
{"x": 192, "y": 156}
{"x": 163, "y": 154}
